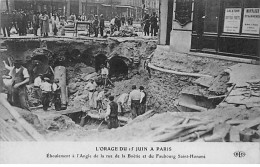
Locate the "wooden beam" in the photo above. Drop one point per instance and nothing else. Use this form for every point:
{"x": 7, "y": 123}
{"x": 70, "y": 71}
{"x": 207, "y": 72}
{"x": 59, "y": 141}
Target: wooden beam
{"x": 29, "y": 129}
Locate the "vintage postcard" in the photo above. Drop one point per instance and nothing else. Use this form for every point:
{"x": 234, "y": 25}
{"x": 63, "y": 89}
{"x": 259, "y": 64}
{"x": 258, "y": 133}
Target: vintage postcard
{"x": 130, "y": 82}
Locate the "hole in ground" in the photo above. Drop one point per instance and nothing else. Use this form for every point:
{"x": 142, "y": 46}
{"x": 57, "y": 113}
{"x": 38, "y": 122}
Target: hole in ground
{"x": 198, "y": 101}
{"x": 118, "y": 68}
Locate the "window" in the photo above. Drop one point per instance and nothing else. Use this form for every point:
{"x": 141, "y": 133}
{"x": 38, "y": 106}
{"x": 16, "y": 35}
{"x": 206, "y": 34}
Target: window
{"x": 211, "y": 16}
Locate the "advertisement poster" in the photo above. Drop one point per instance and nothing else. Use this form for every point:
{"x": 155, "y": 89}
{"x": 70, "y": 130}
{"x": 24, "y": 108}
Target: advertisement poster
{"x": 251, "y": 23}
{"x": 232, "y": 20}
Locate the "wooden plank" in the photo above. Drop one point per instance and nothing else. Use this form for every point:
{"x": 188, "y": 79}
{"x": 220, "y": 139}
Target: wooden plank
{"x": 69, "y": 111}
{"x": 31, "y": 131}
{"x": 236, "y": 122}
{"x": 9, "y": 132}
{"x": 249, "y": 124}
{"x": 191, "y": 106}
{"x": 219, "y": 133}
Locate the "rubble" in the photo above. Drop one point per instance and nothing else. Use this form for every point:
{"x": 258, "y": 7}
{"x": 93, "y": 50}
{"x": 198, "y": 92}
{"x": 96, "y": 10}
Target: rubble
{"x": 61, "y": 123}
{"x": 125, "y": 32}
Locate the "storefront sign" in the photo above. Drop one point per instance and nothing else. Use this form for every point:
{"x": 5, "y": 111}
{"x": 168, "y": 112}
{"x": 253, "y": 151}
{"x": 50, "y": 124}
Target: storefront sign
{"x": 232, "y": 20}
{"x": 251, "y": 23}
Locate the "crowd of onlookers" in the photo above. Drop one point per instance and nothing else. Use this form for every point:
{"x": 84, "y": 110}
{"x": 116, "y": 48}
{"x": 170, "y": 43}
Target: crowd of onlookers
{"x": 24, "y": 22}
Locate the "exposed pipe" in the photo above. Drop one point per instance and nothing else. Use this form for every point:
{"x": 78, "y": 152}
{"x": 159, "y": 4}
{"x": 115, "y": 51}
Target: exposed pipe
{"x": 177, "y": 72}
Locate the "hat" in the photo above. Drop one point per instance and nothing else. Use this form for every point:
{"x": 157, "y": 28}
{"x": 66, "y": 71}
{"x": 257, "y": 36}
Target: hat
{"x": 46, "y": 79}
{"x": 18, "y": 61}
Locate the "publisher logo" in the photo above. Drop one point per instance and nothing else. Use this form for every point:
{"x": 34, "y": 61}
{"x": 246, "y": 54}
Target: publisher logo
{"x": 239, "y": 154}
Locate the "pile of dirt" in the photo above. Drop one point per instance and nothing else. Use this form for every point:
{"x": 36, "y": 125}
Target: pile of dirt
{"x": 61, "y": 123}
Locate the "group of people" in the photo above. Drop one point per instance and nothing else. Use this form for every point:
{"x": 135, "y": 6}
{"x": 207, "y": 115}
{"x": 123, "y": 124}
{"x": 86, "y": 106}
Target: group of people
{"x": 150, "y": 24}
{"x": 48, "y": 92}
{"x": 22, "y": 21}
{"x": 42, "y": 21}
{"x": 17, "y": 94}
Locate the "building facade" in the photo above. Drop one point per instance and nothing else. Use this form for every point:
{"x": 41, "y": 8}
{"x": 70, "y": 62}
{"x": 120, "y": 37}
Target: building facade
{"x": 225, "y": 27}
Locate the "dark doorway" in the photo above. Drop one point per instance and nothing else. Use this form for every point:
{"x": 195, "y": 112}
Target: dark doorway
{"x": 87, "y": 57}
{"x": 169, "y": 21}
{"x": 118, "y": 67}
{"x": 100, "y": 59}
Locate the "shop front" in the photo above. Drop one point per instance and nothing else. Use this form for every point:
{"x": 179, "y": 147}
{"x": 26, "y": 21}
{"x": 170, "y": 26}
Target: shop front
{"x": 224, "y": 27}
{"x": 228, "y": 27}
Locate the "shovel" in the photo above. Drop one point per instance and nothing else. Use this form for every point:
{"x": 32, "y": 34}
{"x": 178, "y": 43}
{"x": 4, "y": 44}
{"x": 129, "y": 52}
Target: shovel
{"x": 97, "y": 130}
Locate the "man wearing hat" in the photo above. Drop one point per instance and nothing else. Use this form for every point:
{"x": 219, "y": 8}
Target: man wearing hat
{"x": 36, "y": 86}
{"x": 95, "y": 25}
{"x": 18, "y": 94}
{"x": 112, "y": 113}
{"x": 46, "y": 88}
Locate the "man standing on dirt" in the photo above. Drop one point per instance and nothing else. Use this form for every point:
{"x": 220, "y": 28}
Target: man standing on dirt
{"x": 143, "y": 100}
{"x": 18, "y": 94}
{"x": 134, "y": 101}
{"x": 91, "y": 87}
{"x": 37, "y": 83}
{"x": 112, "y": 113}
{"x": 122, "y": 102}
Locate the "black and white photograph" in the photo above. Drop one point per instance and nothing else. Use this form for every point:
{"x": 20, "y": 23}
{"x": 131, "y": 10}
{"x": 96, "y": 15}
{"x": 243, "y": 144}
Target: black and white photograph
{"x": 130, "y": 81}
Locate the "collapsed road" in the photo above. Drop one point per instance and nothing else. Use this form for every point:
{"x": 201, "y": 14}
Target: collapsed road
{"x": 189, "y": 98}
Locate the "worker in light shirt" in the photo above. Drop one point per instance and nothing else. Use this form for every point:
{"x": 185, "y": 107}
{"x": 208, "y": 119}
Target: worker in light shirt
{"x": 17, "y": 94}
{"x": 46, "y": 88}
{"x": 134, "y": 101}
{"x": 91, "y": 87}
{"x": 37, "y": 83}
{"x": 112, "y": 113}
{"x": 122, "y": 102}
{"x": 104, "y": 74}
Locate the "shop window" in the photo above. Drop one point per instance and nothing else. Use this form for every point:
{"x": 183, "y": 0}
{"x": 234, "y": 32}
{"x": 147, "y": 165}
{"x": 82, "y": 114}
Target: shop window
{"x": 251, "y": 17}
{"x": 232, "y": 16}
{"x": 211, "y": 16}
{"x": 183, "y": 11}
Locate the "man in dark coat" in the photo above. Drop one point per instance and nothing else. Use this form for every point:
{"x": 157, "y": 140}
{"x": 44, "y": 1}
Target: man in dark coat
{"x": 142, "y": 101}
{"x": 95, "y": 25}
{"x": 101, "y": 24}
{"x": 112, "y": 113}
{"x": 146, "y": 22}
{"x": 6, "y": 23}
{"x": 153, "y": 21}
{"x": 36, "y": 22}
